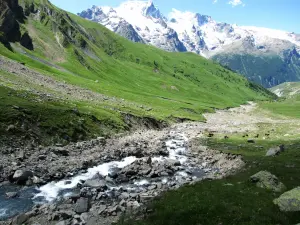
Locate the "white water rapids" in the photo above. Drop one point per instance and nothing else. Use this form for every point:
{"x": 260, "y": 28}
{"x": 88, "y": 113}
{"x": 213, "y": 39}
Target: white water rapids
{"x": 176, "y": 148}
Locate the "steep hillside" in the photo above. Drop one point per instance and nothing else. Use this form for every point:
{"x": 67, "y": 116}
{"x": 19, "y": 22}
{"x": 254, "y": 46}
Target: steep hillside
{"x": 266, "y": 56}
{"x": 78, "y": 64}
{"x": 289, "y": 102}
{"x": 288, "y": 90}
{"x": 269, "y": 68}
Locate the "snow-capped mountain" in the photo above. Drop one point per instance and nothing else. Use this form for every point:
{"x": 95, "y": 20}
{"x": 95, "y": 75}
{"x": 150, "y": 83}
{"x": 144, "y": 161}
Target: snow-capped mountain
{"x": 138, "y": 21}
{"x": 142, "y": 21}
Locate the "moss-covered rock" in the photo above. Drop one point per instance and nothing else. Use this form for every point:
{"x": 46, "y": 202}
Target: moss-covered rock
{"x": 266, "y": 180}
{"x": 289, "y": 201}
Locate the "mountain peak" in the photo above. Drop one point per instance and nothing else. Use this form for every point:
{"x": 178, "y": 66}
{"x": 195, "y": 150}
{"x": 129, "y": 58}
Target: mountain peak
{"x": 202, "y": 19}
{"x": 152, "y": 11}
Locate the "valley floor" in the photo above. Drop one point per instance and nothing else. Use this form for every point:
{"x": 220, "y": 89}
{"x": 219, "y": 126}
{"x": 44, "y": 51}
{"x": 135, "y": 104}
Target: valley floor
{"x": 230, "y": 198}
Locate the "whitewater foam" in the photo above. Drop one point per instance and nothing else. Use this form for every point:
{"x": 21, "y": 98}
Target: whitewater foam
{"x": 3, "y": 213}
{"x": 51, "y": 190}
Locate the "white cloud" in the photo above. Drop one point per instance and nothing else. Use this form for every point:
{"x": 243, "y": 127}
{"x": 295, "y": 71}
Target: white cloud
{"x": 215, "y": 1}
{"x": 236, "y": 3}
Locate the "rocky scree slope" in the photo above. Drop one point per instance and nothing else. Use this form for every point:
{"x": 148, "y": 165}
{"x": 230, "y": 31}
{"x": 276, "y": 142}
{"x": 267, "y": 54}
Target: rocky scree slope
{"x": 268, "y": 57}
{"x": 288, "y": 90}
{"x": 97, "y": 83}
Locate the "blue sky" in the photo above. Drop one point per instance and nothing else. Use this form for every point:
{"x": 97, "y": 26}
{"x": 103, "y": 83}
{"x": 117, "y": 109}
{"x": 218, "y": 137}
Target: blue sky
{"x": 277, "y": 14}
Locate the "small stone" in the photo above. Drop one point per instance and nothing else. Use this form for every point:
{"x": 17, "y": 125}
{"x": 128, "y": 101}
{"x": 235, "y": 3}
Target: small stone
{"x": 102, "y": 209}
{"x": 42, "y": 157}
{"x": 11, "y": 194}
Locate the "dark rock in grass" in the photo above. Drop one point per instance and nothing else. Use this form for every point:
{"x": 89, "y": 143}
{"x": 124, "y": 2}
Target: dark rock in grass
{"x": 289, "y": 201}
{"x": 266, "y": 180}
{"x": 210, "y": 135}
{"x": 275, "y": 151}
{"x": 250, "y": 141}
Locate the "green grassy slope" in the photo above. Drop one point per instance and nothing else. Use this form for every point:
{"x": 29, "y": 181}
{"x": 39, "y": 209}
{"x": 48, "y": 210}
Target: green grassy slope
{"x": 289, "y": 103}
{"x": 152, "y": 82}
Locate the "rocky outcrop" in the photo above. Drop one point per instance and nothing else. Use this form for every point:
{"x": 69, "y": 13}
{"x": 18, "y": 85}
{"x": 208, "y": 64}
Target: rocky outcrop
{"x": 126, "y": 30}
{"x": 26, "y": 41}
{"x": 289, "y": 201}
{"x": 9, "y": 26}
{"x": 11, "y": 16}
{"x": 266, "y": 180}
{"x": 275, "y": 151}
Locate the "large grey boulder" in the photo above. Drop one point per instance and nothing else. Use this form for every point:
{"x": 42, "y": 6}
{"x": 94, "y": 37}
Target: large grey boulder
{"x": 266, "y": 180}
{"x": 275, "y": 151}
{"x": 21, "y": 176}
{"x": 82, "y": 205}
{"x": 98, "y": 184}
{"x": 289, "y": 201}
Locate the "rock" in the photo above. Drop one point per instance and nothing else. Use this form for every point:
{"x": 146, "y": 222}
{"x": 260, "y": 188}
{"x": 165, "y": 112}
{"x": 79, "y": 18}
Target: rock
{"x": 10, "y": 128}
{"x": 60, "y": 151}
{"x": 21, "y": 219}
{"x": 21, "y": 176}
{"x": 173, "y": 162}
{"x": 114, "y": 210}
{"x": 250, "y": 141}
{"x": 82, "y": 205}
{"x": 275, "y": 151}
{"x": 66, "y": 214}
{"x": 98, "y": 184}
{"x": 21, "y": 155}
{"x": 210, "y": 134}
{"x": 145, "y": 197}
{"x": 84, "y": 217}
{"x": 113, "y": 174}
{"x": 124, "y": 195}
{"x": 289, "y": 201}
{"x": 152, "y": 187}
{"x": 133, "y": 205}
{"x": 11, "y": 194}
{"x": 68, "y": 182}
{"x": 102, "y": 209}
{"x": 149, "y": 161}
{"x": 264, "y": 179}
{"x": 61, "y": 223}
{"x": 42, "y": 157}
